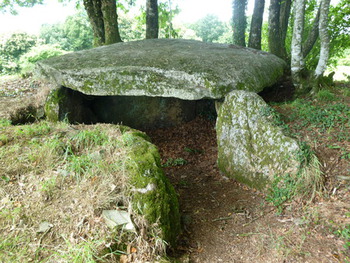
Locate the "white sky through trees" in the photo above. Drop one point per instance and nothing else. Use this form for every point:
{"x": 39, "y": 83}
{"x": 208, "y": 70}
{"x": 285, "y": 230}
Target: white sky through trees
{"x": 30, "y": 19}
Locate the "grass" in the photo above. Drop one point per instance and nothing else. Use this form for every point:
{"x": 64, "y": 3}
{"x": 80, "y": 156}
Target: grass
{"x": 65, "y": 175}
{"x": 171, "y": 162}
{"x": 325, "y": 115}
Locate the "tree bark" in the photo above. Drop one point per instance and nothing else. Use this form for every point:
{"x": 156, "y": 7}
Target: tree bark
{"x": 276, "y": 43}
{"x": 312, "y": 36}
{"x": 255, "y": 27}
{"x": 324, "y": 38}
{"x": 239, "y": 22}
{"x": 297, "y": 59}
{"x": 93, "y": 9}
{"x": 284, "y": 19}
{"x": 152, "y": 26}
{"x": 110, "y": 18}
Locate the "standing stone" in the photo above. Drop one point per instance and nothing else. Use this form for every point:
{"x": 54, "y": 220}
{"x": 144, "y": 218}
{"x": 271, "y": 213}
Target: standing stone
{"x": 251, "y": 148}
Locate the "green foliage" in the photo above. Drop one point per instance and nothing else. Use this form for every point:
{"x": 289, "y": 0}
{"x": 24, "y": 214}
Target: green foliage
{"x": 324, "y": 117}
{"x": 339, "y": 30}
{"x": 305, "y": 183}
{"x": 5, "y": 123}
{"x": 209, "y": 28}
{"x": 275, "y": 118}
{"x": 12, "y": 48}
{"x": 72, "y": 35}
{"x": 344, "y": 233}
{"x": 345, "y": 60}
{"x": 166, "y": 15}
{"x": 174, "y": 162}
{"x": 133, "y": 28}
{"x": 193, "y": 151}
{"x": 89, "y": 139}
{"x": 226, "y": 37}
{"x": 37, "y": 53}
{"x": 282, "y": 189}
{"x": 325, "y": 95}
{"x": 9, "y": 5}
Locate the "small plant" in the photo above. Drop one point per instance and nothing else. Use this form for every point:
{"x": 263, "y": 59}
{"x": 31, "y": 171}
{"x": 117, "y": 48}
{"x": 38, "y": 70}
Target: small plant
{"x": 276, "y": 118}
{"x": 41, "y": 128}
{"x": 175, "y": 162}
{"x": 325, "y": 95}
{"x": 79, "y": 165}
{"x": 307, "y": 182}
{"x": 282, "y": 189}
{"x": 89, "y": 138}
{"x": 345, "y": 233}
{"x": 48, "y": 186}
{"x": 5, "y": 123}
{"x": 194, "y": 151}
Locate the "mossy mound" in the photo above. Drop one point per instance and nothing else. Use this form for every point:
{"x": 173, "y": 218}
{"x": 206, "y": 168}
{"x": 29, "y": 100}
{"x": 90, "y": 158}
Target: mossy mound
{"x": 57, "y": 179}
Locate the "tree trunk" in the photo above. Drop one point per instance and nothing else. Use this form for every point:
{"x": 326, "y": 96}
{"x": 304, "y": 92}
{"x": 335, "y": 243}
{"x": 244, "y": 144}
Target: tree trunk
{"x": 284, "y": 19}
{"x": 239, "y": 22}
{"x": 297, "y": 59}
{"x": 93, "y": 9}
{"x": 152, "y": 25}
{"x": 312, "y": 36}
{"x": 255, "y": 27}
{"x": 324, "y": 38}
{"x": 110, "y": 18}
{"x": 276, "y": 43}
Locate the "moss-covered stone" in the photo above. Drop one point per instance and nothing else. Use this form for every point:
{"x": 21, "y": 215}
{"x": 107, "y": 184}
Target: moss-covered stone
{"x": 251, "y": 147}
{"x": 152, "y": 194}
{"x": 184, "y": 69}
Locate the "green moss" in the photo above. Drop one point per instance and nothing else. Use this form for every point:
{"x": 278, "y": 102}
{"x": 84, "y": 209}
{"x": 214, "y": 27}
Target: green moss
{"x": 159, "y": 204}
{"x": 52, "y": 104}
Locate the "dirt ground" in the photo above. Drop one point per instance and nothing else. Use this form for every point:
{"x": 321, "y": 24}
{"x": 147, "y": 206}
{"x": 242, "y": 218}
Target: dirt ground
{"x": 225, "y": 221}
{"x": 228, "y": 222}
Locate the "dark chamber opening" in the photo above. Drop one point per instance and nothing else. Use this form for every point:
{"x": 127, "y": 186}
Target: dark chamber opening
{"x": 140, "y": 112}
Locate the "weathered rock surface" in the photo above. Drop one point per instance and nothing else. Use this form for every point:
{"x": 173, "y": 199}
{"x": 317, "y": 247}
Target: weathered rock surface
{"x": 152, "y": 194}
{"x": 251, "y": 147}
{"x": 184, "y": 69}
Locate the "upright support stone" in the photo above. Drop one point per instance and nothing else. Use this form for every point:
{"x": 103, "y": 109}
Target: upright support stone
{"x": 251, "y": 147}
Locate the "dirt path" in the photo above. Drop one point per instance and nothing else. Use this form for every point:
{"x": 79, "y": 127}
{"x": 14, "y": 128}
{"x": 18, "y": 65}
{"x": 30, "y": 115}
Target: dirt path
{"x": 227, "y": 222}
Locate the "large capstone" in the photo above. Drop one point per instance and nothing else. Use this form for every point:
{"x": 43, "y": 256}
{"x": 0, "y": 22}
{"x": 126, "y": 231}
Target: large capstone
{"x": 163, "y": 68}
{"x": 251, "y": 146}
{"x": 184, "y": 69}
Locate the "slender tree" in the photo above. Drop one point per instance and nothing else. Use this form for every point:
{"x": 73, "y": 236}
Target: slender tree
{"x": 312, "y": 36}
{"x": 279, "y": 13}
{"x": 239, "y": 22}
{"x": 284, "y": 19}
{"x": 256, "y": 24}
{"x": 324, "y": 38}
{"x": 297, "y": 59}
{"x": 152, "y": 25}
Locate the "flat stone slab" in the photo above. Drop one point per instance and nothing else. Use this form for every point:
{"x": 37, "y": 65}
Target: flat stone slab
{"x": 184, "y": 69}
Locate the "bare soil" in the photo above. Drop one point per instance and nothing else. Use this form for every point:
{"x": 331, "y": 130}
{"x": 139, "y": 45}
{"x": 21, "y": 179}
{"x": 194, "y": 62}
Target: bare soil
{"x": 224, "y": 221}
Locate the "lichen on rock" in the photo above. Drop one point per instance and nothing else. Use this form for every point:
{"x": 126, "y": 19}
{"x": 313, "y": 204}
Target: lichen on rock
{"x": 152, "y": 194}
{"x": 251, "y": 147}
{"x": 178, "y": 68}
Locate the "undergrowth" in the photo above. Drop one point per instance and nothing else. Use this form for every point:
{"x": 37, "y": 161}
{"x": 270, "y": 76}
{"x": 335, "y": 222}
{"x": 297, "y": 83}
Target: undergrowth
{"x": 65, "y": 175}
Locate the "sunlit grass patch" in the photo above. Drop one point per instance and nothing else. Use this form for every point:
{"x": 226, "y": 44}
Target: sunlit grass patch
{"x": 65, "y": 175}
